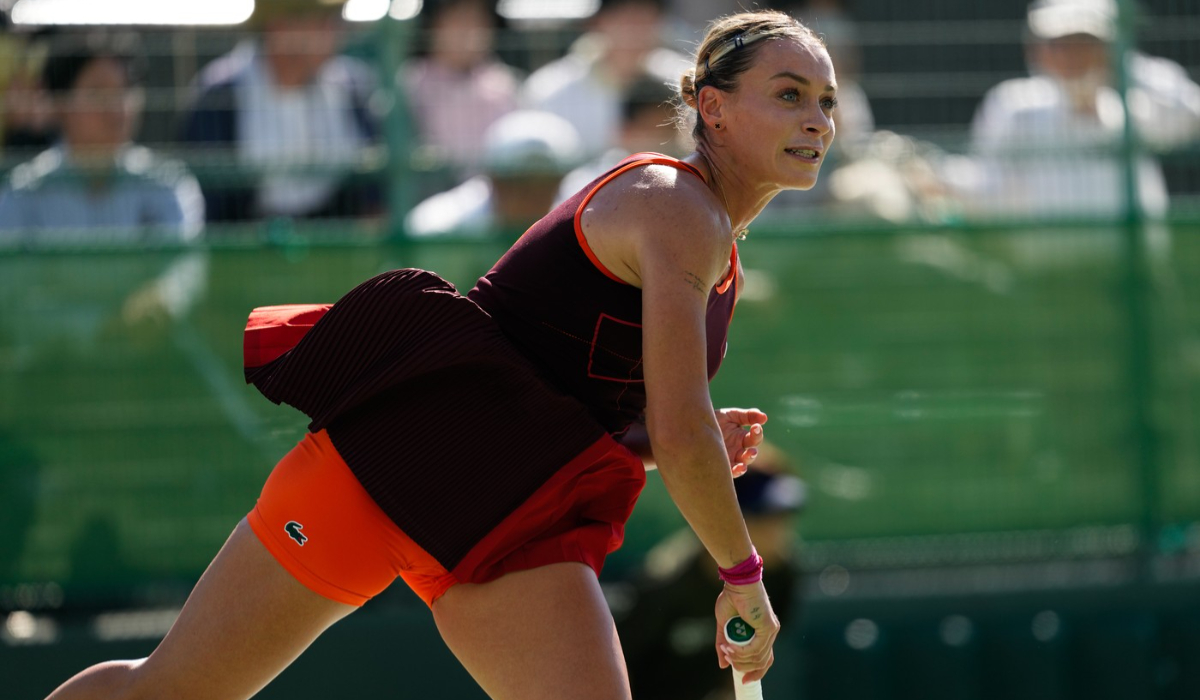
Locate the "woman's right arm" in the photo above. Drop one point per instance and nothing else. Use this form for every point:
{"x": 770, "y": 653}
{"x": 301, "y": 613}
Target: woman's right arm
{"x": 678, "y": 259}
{"x": 680, "y": 248}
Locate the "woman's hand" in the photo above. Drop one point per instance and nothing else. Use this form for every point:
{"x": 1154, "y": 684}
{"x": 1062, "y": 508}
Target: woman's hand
{"x": 742, "y": 430}
{"x": 749, "y": 602}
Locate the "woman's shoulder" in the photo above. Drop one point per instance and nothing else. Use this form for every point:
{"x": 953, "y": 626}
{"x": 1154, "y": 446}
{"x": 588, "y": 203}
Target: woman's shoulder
{"x": 656, "y": 211}
{"x": 663, "y": 196}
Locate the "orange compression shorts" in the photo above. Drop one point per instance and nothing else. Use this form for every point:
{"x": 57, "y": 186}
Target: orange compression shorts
{"x": 325, "y": 529}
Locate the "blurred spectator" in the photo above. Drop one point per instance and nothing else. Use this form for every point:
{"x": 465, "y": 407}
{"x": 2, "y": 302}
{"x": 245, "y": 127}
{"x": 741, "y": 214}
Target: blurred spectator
{"x": 647, "y": 124}
{"x": 691, "y": 17}
{"x": 890, "y": 177}
{"x": 456, "y": 86}
{"x": 95, "y": 177}
{"x": 525, "y": 155}
{"x": 665, "y": 634}
{"x": 1046, "y": 144}
{"x": 284, "y": 100}
{"x": 26, "y": 117}
{"x": 96, "y": 186}
{"x": 623, "y": 41}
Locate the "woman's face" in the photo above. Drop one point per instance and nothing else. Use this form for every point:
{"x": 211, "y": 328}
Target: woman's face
{"x": 779, "y": 120}
{"x": 100, "y": 112}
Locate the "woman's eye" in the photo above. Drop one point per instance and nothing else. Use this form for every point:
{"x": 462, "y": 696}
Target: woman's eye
{"x": 829, "y": 102}
{"x": 790, "y": 95}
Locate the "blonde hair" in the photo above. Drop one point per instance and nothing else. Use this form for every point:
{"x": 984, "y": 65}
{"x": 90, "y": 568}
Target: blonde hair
{"x": 727, "y": 51}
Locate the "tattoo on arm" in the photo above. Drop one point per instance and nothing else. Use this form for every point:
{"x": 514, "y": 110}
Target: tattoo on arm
{"x": 694, "y": 280}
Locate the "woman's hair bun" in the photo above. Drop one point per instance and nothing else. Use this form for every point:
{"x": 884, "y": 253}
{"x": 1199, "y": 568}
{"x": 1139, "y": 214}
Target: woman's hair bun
{"x": 687, "y": 89}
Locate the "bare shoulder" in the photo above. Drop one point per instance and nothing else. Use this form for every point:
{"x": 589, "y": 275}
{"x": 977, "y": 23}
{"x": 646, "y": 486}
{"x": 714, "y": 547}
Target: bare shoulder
{"x": 652, "y": 211}
{"x": 659, "y": 196}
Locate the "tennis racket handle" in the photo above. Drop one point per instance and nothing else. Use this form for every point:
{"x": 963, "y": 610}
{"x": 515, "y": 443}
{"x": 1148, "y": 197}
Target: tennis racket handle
{"x": 738, "y": 633}
{"x": 745, "y": 691}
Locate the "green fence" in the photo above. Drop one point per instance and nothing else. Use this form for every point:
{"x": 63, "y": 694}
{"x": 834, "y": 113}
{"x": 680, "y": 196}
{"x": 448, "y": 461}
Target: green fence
{"x": 976, "y": 384}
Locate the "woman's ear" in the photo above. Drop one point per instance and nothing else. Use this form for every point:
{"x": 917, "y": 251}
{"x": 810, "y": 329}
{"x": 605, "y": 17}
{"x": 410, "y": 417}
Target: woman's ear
{"x": 710, "y": 104}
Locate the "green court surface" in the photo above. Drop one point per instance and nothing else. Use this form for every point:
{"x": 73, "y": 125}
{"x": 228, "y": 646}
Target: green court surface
{"x": 965, "y": 393}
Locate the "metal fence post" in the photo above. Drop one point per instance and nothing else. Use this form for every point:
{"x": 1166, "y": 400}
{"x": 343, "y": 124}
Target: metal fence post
{"x": 1137, "y": 282}
{"x": 394, "y": 38}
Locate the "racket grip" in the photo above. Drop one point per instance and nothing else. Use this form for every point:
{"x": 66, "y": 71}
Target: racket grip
{"x": 738, "y": 633}
{"x": 746, "y": 691}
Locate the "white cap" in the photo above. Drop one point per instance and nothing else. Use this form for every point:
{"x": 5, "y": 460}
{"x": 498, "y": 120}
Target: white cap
{"x": 530, "y": 142}
{"x": 1053, "y": 19}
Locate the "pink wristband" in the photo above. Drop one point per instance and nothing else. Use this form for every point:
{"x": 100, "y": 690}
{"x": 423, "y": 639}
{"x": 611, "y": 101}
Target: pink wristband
{"x": 749, "y": 571}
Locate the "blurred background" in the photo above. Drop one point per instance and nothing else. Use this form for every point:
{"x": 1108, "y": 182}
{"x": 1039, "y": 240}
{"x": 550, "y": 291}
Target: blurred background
{"x": 978, "y": 338}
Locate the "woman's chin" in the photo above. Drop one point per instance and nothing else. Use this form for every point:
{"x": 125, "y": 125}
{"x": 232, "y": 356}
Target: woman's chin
{"x": 802, "y": 183}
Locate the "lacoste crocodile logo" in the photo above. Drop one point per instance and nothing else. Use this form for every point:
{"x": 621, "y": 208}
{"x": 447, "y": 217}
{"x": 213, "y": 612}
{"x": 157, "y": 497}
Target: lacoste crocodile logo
{"x": 293, "y": 529}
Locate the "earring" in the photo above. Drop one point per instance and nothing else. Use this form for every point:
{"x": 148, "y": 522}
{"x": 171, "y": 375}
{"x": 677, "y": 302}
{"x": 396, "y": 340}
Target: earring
{"x": 717, "y": 125}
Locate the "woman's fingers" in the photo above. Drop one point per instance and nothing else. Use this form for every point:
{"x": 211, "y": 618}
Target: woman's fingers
{"x": 750, "y": 602}
{"x": 744, "y": 459}
{"x": 758, "y": 675}
{"x": 745, "y": 416}
{"x": 753, "y": 437}
{"x": 753, "y": 659}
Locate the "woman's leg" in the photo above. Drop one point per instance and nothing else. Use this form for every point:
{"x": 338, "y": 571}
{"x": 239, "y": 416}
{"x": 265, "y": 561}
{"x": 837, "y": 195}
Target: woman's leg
{"x": 244, "y": 622}
{"x": 542, "y": 633}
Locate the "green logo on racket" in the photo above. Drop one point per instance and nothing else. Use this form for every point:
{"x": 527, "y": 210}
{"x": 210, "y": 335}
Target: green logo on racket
{"x": 737, "y": 631}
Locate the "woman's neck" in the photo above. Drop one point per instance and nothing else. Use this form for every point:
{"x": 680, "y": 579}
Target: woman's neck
{"x": 742, "y": 199}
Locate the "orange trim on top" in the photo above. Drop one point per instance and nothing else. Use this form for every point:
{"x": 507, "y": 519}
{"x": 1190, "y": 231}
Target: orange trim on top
{"x": 733, "y": 265}
{"x": 733, "y": 285}
{"x": 626, "y": 164}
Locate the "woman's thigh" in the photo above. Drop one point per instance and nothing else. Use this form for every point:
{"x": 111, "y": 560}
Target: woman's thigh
{"x": 244, "y": 622}
{"x": 540, "y": 633}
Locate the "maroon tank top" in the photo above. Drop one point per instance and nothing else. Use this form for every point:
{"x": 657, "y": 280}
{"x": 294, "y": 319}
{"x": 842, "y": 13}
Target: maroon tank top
{"x": 548, "y": 338}
{"x": 578, "y": 322}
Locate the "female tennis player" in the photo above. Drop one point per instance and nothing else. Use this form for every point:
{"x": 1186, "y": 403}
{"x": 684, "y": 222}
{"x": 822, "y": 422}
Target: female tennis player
{"x": 470, "y": 445}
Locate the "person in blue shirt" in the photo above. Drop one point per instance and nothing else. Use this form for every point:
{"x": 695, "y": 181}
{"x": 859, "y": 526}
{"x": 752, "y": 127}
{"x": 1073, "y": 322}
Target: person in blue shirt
{"x": 95, "y": 184}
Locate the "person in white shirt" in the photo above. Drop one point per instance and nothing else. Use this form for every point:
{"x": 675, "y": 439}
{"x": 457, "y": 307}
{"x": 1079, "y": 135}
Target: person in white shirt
{"x": 286, "y": 107}
{"x": 586, "y": 87}
{"x": 525, "y": 155}
{"x": 1049, "y": 145}
{"x": 648, "y": 115}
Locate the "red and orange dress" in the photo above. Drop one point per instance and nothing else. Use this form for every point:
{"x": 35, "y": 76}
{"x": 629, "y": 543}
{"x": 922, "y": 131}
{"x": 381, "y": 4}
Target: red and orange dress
{"x": 457, "y": 438}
